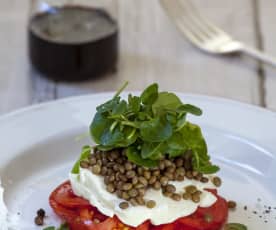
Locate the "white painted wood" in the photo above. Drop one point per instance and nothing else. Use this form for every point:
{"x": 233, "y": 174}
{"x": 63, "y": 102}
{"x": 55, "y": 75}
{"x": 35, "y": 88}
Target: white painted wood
{"x": 14, "y": 71}
{"x": 153, "y": 50}
{"x": 267, "y": 20}
{"x": 43, "y": 89}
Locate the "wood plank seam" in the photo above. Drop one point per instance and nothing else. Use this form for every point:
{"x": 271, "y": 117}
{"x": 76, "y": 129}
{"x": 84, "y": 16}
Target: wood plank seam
{"x": 260, "y": 45}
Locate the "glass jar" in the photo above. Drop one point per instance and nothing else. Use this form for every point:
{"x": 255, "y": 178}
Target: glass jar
{"x": 73, "y": 40}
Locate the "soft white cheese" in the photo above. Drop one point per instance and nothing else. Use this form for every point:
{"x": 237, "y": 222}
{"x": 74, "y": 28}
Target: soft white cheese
{"x": 92, "y": 188}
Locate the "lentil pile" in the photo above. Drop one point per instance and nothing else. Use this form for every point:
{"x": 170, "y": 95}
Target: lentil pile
{"x": 130, "y": 181}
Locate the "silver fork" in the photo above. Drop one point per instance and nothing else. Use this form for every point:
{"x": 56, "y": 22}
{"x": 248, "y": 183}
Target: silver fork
{"x": 204, "y": 34}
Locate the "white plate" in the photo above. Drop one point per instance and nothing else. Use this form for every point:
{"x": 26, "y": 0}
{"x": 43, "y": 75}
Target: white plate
{"x": 38, "y": 148}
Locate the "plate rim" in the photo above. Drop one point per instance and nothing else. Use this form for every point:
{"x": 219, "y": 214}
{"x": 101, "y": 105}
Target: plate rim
{"x": 70, "y": 99}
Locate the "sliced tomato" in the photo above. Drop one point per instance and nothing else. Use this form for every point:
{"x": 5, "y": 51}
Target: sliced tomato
{"x": 144, "y": 226}
{"x": 62, "y": 211}
{"x": 210, "y": 218}
{"x": 64, "y": 195}
{"x": 170, "y": 226}
{"x": 80, "y": 215}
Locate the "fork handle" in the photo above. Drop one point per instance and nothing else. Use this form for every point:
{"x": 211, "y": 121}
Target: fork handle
{"x": 259, "y": 55}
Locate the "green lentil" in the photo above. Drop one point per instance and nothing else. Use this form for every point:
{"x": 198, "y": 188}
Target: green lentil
{"x": 217, "y": 181}
{"x": 124, "y": 205}
{"x": 150, "y": 204}
{"x": 96, "y": 169}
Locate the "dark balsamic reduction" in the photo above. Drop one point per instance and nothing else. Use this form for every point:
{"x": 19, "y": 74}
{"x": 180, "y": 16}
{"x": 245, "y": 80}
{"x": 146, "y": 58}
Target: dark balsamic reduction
{"x": 73, "y": 43}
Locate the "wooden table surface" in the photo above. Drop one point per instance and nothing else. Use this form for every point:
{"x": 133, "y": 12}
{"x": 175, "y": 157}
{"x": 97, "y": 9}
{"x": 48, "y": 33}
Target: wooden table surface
{"x": 152, "y": 50}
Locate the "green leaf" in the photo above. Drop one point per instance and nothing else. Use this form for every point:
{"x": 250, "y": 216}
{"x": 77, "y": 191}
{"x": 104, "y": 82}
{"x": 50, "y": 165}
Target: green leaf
{"x": 193, "y": 138}
{"x": 118, "y": 138}
{"x": 86, "y": 150}
{"x": 63, "y": 226}
{"x": 154, "y": 151}
{"x": 176, "y": 145}
{"x": 172, "y": 118}
{"x": 119, "y": 108}
{"x": 208, "y": 169}
{"x": 166, "y": 101}
{"x": 99, "y": 126}
{"x": 235, "y": 226}
{"x": 156, "y": 130}
{"x": 187, "y": 108}
{"x": 108, "y": 106}
{"x": 181, "y": 121}
{"x": 150, "y": 94}
{"x": 142, "y": 116}
{"x": 134, "y": 103}
{"x": 134, "y": 156}
{"x": 111, "y": 137}
{"x": 105, "y": 148}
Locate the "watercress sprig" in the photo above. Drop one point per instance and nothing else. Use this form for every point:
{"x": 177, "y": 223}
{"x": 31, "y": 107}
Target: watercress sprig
{"x": 63, "y": 226}
{"x": 235, "y": 226}
{"x": 149, "y": 127}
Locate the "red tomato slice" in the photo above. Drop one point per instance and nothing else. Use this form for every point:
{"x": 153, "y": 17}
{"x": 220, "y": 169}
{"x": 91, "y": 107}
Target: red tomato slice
{"x": 170, "y": 226}
{"x": 210, "y": 218}
{"x": 80, "y": 215}
{"x": 64, "y": 195}
{"x": 144, "y": 226}
{"x": 61, "y": 211}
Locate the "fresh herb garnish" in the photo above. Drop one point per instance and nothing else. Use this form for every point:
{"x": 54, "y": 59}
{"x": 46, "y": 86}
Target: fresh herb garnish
{"x": 86, "y": 150}
{"x": 63, "y": 226}
{"x": 49, "y": 228}
{"x": 235, "y": 226}
{"x": 150, "y": 126}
